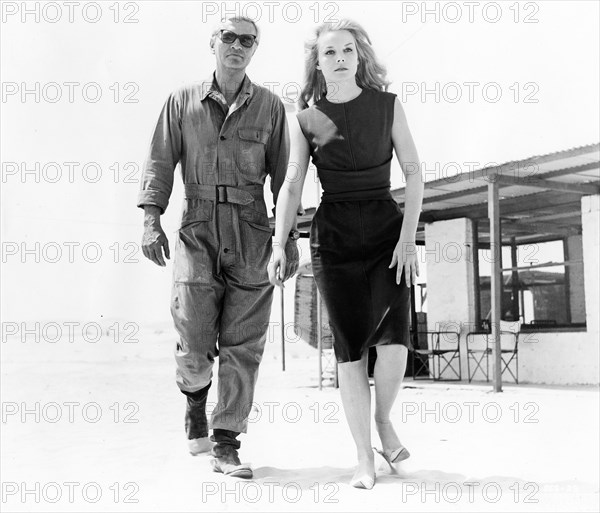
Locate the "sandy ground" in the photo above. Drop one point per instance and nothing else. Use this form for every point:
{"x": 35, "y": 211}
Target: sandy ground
{"x": 99, "y": 427}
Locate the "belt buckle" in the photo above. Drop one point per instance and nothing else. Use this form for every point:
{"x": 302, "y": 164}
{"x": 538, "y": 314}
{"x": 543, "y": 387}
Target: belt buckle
{"x": 221, "y": 194}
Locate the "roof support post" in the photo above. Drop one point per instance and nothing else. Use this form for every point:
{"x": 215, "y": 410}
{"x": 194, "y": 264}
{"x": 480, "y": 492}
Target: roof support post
{"x": 496, "y": 276}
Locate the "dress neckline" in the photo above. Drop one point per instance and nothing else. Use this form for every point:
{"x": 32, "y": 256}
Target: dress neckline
{"x": 346, "y": 102}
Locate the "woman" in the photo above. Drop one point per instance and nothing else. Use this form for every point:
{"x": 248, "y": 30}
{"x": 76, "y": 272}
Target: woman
{"x": 362, "y": 249}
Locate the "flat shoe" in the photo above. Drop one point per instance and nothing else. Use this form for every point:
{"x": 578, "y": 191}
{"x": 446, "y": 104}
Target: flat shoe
{"x": 364, "y": 482}
{"x": 396, "y": 456}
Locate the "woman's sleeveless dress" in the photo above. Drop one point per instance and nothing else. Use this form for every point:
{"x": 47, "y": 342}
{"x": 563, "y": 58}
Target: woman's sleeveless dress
{"x": 357, "y": 225}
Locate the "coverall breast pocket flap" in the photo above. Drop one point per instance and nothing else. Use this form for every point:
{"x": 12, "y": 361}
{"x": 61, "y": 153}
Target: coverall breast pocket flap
{"x": 257, "y": 135}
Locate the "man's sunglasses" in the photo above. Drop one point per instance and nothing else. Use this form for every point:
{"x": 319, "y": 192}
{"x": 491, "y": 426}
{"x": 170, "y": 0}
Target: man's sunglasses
{"x": 246, "y": 40}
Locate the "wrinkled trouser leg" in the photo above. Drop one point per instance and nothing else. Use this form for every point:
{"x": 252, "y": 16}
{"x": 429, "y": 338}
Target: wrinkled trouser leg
{"x": 232, "y": 307}
{"x": 242, "y": 336}
{"x": 223, "y": 437}
{"x": 197, "y": 296}
{"x": 196, "y": 314}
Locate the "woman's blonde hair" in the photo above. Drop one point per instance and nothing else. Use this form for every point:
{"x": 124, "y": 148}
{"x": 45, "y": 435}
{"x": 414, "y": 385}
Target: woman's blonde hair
{"x": 371, "y": 74}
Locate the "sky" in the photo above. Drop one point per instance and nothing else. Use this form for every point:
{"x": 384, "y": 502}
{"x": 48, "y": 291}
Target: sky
{"x": 481, "y": 83}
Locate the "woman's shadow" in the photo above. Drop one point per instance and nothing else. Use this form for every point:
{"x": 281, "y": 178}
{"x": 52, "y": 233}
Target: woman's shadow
{"x": 427, "y": 479}
{"x": 308, "y": 478}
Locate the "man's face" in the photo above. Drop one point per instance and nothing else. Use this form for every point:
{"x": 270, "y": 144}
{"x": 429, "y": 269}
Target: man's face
{"x": 234, "y": 56}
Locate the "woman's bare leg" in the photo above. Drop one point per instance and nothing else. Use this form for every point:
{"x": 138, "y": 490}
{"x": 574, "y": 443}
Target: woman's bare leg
{"x": 356, "y": 399}
{"x": 389, "y": 372}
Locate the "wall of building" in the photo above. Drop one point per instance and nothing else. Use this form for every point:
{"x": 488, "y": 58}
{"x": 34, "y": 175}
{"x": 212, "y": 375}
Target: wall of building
{"x": 450, "y": 278}
{"x": 565, "y": 358}
{"x": 560, "y": 357}
{"x": 590, "y": 225}
{"x": 576, "y": 278}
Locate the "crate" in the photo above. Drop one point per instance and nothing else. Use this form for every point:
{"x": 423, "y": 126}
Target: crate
{"x": 305, "y": 313}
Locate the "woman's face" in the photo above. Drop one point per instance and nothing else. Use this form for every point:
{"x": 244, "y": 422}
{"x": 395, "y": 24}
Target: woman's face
{"x": 338, "y": 58}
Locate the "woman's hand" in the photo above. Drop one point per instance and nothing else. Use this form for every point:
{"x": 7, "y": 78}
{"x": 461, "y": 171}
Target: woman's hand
{"x": 405, "y": 257}
{"x": 277, "y": 266}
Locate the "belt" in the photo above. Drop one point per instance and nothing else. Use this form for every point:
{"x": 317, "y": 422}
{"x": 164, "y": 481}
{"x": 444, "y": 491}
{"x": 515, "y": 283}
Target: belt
{"x": 366, "y": 195}
{"x": 240, "y": 195}
{"x": 356, "y": 184}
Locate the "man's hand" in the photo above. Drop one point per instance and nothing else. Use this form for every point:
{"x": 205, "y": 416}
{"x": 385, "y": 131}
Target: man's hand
{"x": 154, "y": 240}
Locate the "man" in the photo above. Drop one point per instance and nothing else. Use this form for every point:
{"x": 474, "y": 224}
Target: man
{"x": 228, "y": 134}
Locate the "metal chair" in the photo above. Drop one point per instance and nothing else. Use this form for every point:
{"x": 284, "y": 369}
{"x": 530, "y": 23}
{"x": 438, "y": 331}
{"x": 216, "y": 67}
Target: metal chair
{"x": 480, "y": 354}
{"x": 443, "y": 348}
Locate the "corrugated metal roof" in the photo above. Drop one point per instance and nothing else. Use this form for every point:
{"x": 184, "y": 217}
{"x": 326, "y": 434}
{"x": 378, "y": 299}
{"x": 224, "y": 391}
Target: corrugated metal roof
{"x": 540, "y": 196}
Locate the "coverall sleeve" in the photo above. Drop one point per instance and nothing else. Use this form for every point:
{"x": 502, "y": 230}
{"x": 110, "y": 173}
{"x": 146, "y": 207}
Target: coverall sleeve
{"x": 278, "y": 150}
{"x": 165, "y": 153}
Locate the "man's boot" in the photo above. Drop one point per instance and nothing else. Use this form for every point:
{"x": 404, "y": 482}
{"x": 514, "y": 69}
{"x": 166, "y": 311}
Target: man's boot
{"x": 196, "y": 423}
{"x": 225, "y": 454}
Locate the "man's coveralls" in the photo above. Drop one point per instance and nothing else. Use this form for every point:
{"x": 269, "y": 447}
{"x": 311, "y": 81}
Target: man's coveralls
{"x": 221, "y": 291}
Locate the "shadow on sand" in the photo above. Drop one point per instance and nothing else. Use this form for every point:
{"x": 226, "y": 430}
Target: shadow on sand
{"x": 307, "y": 478}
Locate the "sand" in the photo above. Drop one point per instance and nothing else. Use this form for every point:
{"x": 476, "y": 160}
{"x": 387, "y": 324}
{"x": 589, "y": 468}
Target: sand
{"x": 99, "y": 427}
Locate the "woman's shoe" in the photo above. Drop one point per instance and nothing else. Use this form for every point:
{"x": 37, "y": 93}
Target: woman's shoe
{"x": 396, "y": 456}
{"x": 364, "y": 481}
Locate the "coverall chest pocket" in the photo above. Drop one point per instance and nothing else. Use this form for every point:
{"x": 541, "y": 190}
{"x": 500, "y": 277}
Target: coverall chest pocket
{"x": 250, "y": 154}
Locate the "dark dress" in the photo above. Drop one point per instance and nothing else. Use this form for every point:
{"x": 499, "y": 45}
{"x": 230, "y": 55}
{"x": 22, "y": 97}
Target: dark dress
{"x": 357, "y": 225}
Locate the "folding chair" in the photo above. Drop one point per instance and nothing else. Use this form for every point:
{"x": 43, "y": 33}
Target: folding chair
{"x": 480, "y": 353}
{"x": 509, "y": 347}
{"x": 441, "y": 356}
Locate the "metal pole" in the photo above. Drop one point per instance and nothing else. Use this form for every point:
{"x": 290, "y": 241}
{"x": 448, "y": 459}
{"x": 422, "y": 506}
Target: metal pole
{"x": 282, "y": 333}
{"x": 496, "y": 276}
{"x": 478, "y": 318}
{"x": 514, "y": 280}
{"x": 336, "y": 382}
{"x": 414, "y": 328}
{"x": 319, "y": 313}
{"x": 319, "y": 337}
